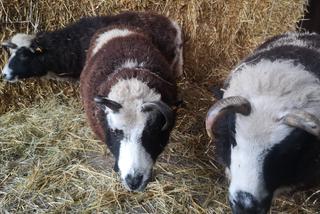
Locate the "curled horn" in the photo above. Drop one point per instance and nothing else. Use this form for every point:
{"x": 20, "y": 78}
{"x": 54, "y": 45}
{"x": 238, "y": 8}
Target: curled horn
{"x": 303, "y": 120}
{"x": 107, "y": 103}
{"x": 164, "y": 109}
{"x": 8, "y": 44}
{"x": 235, "y": 104}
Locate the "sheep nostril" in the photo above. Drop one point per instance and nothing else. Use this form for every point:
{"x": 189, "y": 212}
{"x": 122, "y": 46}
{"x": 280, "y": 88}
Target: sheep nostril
{"x": 134, "y": 182}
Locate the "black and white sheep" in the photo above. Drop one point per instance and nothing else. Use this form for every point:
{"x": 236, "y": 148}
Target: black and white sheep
{"x": 266, "y": 126}
{"x": 128, "y": 90}
{"x": 62, "y": 53}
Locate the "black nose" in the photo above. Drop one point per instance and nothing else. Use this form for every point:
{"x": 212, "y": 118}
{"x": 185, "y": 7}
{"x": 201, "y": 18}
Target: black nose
{"x": 245, "y": 202}
{"x": 4, "y": 75}
{"x": 134, "y": 182}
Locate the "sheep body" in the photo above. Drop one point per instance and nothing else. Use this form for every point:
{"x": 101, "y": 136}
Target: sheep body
{"x": 126, "y": 69}
{"x": 266, "y": 126}
{"x": 62, "y": 53}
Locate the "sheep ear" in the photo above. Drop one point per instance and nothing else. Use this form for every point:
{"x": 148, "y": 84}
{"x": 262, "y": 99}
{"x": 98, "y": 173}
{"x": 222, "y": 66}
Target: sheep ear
{"x": 106, "y": 103}
{"x": 303, "y": 120}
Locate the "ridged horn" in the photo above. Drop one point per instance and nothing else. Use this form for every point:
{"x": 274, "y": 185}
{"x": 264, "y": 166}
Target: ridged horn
{"x": 235, "y": 104}
{"x": 164, "y": 109}
{"x": 107, "y": 103}
{"x": 8, "y": 44}
{"x": 303, "y": 120}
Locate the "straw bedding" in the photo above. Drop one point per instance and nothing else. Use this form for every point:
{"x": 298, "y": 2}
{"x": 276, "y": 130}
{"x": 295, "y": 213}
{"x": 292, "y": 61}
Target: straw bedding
{"x": 50, "y": 161}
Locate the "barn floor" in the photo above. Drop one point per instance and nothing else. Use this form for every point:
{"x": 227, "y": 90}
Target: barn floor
{"x": 50, "y": 161}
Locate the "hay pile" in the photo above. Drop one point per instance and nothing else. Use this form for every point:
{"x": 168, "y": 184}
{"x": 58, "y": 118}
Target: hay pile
{"x": 49, "y": 159}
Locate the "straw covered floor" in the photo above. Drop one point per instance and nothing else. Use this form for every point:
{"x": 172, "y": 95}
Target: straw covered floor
{"x": 50, "y": 162}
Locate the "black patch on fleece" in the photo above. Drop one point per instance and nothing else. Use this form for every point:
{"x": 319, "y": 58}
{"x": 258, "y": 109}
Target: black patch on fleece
{"x": 153, "y": 138}
{"x": 295, "y": 161}
{"x": 307, "y": 57}
{"x": 113, "y": 139}
{"x": 224, "y": 132}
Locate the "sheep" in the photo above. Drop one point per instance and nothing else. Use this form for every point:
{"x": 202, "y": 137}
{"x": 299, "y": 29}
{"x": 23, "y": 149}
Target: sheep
{"x": 266, "y": 127}
{"x": 61, "y": 54}
{"x": 129, "y": 92}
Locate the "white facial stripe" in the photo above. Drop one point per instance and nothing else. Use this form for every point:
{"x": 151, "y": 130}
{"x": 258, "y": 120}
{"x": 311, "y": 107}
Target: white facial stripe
{"x": 246, "y": 172}
{"x": 107, "y": 36}
{"x": 133, "y": 158}
{"x": 7, "y": 72}
{"x": 131, "y": 94}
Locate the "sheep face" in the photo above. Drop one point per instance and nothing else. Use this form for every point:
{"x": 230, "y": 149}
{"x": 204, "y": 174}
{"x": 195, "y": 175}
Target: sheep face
{"x": 259, "y": 164}
{"x": 137, "y": 130}
{"x": 136, "y": 146}
{"x": 23, "y": 61}
{"x": 268, "y": 137}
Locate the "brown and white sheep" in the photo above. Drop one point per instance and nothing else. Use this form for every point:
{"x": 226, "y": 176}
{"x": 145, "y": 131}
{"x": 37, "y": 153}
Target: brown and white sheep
{"x": 128, "y": 90}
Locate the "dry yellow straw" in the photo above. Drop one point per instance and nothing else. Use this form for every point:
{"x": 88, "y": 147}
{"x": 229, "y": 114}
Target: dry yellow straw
{"x": 50, "y": 161}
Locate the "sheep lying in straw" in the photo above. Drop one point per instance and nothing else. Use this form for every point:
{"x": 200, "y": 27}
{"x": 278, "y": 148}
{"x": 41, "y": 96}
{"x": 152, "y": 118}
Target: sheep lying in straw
{"x": 61, "y": 53}
{"x": 128, "y": 89}
{"x": 267, "y": 125}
